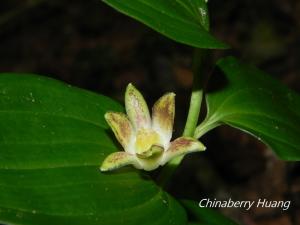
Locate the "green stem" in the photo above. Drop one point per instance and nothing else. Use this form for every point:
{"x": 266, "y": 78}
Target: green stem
{"x": 193, "y": 114}
{"x": 195, "y": 103}
{"x": 196, "y": 99}
{"x": 197, "y": 93}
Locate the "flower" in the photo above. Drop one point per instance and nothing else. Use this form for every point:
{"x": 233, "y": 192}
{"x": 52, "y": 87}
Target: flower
{"x": 146, "y": 141}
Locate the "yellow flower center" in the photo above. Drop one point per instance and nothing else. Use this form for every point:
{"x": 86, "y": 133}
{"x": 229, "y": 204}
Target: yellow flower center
{"x": 145, "y": 138}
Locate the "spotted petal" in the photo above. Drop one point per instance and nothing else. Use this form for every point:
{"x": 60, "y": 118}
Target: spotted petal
{"x": 136, "y": 108}
{"x": 117, "y": 160}
{"x": 180, "y": 146}
{"x": 163, "y": 113}
{"x": 122, "y": 129}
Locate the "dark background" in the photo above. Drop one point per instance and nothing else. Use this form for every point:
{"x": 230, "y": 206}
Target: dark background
{"x": 89, "y": 45}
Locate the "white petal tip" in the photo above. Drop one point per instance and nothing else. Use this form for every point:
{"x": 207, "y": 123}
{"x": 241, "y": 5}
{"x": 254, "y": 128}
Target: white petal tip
{"x": 103, "y": 169}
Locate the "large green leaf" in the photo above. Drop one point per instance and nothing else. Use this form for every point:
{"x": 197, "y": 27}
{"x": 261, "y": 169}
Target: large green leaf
{"x": 254, "y": 102}
{"x": 205, "y": 216}
{"x": 52, "y": 140}
{"x": 184, "y": 21}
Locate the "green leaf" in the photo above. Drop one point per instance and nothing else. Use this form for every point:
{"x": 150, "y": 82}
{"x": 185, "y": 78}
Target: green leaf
{"x": 184, "y": 21}
{"x": 254, "y": 102}
{"x": 53, "y": 138}
{"x": 205, "y": 216}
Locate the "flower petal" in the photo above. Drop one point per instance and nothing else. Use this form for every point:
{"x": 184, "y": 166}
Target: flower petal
{"x": 136, "y": 108}
{"x": 163, "y": 113}
{"x": 155, "y": 150}
{"x": 122, "y": 128}
{"x": 117, "y": 160}
{"x": 182, "y": 145}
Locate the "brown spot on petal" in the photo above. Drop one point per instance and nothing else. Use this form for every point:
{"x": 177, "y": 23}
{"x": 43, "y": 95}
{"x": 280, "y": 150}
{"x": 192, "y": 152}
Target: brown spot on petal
{"x": 121, "y": 127}
{"x": 180, "y": 142}
{"x": 182, "y": 145}
{"x": 164, "y": 112}
{"x": 136, "y": 108}
{"x": 124, "y": 126}
{"x": 116, "y": 157}
{"x": 116, "y": 160}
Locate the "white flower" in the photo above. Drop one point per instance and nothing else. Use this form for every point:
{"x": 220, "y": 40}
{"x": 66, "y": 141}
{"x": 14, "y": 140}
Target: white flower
{"x": 146, "y": 142}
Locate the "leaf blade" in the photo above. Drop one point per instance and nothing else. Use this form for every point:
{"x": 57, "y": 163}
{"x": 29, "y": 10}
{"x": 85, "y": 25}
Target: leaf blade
{"x": 206, "y": 216}
{"x": 181, "y": 20}
{"x": 53, "y": 139}
{"x": 254, "y": 102}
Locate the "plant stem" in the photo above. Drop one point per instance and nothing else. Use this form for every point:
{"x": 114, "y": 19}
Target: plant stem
{"x": 194, "y": 111}
{"x": 193, "y": 114}
{"x": 199, "y": 81}
{"x": 197, "y": 93}
{"x": 196, "y": 99}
